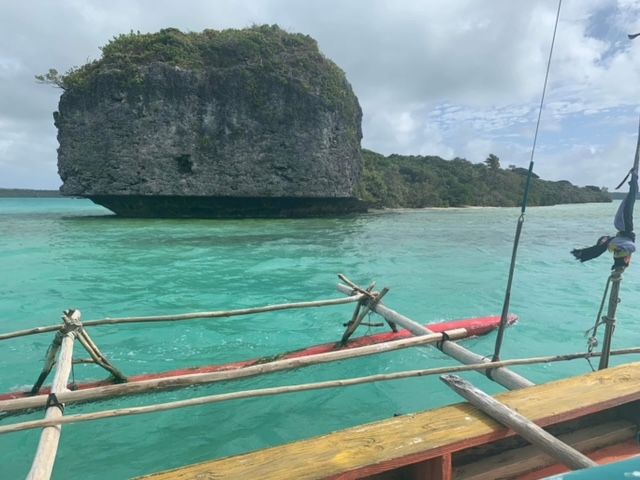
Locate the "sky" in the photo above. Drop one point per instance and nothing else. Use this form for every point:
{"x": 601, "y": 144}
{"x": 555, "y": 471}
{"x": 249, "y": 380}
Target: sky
{"x": 454, "y": 78}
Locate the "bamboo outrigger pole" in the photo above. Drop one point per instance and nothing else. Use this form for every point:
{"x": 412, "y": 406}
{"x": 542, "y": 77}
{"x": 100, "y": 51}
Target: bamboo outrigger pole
{"x": 189, "y": 316}
{"x": 46, "y": 454}
{"x": 504, "y": 377}
{"x": 16, "y": 427}
{"x": 111, "y": 391}
{"x": 262, "y": 393}
{"x": 160, "y": 384}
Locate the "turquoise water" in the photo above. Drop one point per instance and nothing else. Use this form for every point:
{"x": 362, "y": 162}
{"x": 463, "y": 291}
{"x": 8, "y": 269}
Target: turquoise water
{"x": 441, "y": 265}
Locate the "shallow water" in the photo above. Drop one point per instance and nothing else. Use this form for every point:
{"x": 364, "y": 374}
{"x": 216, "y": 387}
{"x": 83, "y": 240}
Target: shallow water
{"x": 441, "y": 265}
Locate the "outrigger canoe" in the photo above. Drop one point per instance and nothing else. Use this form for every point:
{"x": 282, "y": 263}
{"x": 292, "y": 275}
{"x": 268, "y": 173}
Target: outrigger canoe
{"x": 475, "y": 327}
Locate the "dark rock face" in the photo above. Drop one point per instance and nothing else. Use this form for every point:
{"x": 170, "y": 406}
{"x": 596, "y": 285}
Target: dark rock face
{"x": 172, "y": 206}
{"x": 240, "y": 132}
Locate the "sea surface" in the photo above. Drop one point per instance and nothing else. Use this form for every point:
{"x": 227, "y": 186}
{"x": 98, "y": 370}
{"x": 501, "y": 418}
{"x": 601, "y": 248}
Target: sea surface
{"x": 440, "y": 264}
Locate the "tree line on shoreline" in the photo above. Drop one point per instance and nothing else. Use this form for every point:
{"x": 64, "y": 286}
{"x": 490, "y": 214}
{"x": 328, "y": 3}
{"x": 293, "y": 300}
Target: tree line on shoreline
{"x": 28, "y": 193}
{"x": 411, "y": 181}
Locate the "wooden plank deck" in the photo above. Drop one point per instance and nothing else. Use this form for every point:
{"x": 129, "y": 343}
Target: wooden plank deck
{"x": 426, "y": 439}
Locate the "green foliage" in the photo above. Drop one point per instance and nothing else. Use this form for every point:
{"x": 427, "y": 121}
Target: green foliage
{"x": 52, "y": 77}
{"x": 265, "y": 50}
{"x": 416, "y": 182}
{"x": 493, "y": 162}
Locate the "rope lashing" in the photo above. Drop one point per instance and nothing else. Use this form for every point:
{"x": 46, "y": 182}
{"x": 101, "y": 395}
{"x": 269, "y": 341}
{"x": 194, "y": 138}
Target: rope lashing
{"x": 52, "y": 401}
{"x": 445, "y": 338}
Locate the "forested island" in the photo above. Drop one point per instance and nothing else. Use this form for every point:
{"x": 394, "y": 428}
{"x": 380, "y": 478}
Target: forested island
{"x": 249, "y": 123}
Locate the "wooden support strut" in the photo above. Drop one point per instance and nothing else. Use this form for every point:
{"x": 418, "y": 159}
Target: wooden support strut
{"x": 546, "y": 442}
{"x": 503, "y": 376}
{"x": 52, "y": 352}
{"x": 93, "y": 350}
{"x": 353, "y": 325}
{"x": 365, "y": 294}
{"x": 46, "y": 454}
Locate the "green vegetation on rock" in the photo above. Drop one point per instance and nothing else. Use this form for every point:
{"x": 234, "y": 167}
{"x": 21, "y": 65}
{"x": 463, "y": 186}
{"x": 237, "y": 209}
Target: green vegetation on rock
{"x": 267, "y": 49}
{"x": 416, "y": 182}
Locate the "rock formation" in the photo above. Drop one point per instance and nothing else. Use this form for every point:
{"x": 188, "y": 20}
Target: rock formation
{"x": 253, "y": 122}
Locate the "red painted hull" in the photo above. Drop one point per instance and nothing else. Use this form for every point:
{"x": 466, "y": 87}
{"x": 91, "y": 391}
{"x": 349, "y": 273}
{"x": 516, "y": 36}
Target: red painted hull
{"x": 474, "y": 326}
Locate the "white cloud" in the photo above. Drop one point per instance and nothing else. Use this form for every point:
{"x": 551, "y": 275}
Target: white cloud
{"x": 456, "y": 78}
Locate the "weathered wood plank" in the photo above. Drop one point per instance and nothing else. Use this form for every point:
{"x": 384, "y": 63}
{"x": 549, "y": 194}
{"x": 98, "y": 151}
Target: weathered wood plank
{"x": 519, "y": 423}
{"x": 414, "y": 438}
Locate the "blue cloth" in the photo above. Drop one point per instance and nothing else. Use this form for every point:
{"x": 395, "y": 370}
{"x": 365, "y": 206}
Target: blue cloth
{"x": 622, "y": 243}
{"x": 624, "y": 216}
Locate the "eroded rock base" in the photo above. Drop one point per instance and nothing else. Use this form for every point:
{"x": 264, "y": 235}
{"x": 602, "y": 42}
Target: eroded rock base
{"x": 173, "y": 206}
